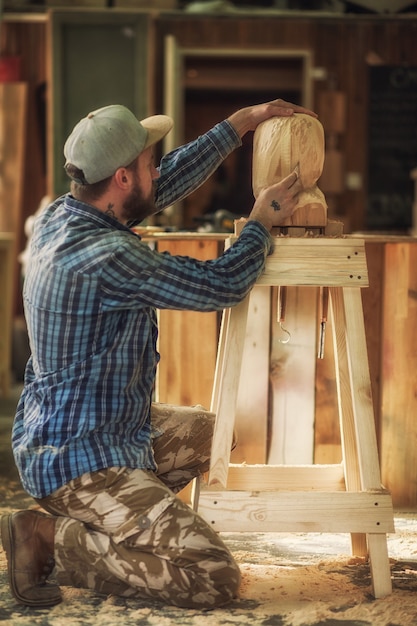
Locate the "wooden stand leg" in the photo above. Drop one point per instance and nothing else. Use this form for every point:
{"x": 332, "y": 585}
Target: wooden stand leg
{"x": 345, "y": 404}
{"x": 226, "y": 385}
{"x": 360, "y": 452}
{"x": 379, "y": 564}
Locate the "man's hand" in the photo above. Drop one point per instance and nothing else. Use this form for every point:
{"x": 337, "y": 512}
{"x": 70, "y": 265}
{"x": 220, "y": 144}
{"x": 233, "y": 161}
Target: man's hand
{"x": 248, "y": 118}
{"x": 275, "y": 204}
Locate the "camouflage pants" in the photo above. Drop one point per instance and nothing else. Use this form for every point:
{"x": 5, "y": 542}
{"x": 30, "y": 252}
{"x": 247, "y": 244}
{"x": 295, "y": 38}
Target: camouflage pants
{"x": 123, "y": 531}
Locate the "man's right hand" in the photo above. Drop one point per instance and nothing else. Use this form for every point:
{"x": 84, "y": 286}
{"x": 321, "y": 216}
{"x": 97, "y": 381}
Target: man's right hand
{"x": 275, "y": 204}
{"x": 250, "y": 117}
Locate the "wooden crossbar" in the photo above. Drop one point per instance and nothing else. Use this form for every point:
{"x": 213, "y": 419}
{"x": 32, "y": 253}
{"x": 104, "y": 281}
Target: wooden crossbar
{"x": 291, "y": 511}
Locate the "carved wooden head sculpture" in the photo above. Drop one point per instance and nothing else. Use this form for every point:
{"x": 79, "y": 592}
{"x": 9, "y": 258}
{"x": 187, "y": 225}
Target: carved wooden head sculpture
{"x": 282, "y": 144}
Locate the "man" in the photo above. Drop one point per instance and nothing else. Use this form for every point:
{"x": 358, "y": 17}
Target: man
{"x": 90, "y": 446}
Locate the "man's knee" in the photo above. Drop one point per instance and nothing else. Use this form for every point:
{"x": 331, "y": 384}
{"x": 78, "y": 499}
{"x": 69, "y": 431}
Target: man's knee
{"x": 226, "y": 582}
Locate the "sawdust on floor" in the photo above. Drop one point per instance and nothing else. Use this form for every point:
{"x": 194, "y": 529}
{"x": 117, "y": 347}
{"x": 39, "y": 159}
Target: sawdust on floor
{"x": 287, "y": 580}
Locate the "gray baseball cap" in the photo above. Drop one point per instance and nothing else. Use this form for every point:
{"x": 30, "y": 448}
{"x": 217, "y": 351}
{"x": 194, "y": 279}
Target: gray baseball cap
{"x": 111, "y": 137}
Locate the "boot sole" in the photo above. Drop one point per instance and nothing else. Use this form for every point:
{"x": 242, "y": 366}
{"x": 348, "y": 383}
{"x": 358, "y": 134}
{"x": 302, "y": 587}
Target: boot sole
{"x": 7, "y": 541}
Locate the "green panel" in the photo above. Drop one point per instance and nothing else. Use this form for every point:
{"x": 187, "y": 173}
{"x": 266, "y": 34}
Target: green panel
{"x": 98, "y": 59}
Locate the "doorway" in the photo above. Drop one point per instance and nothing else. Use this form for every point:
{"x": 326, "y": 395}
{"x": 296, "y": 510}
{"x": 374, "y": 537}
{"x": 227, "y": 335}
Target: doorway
{"x": 204, "y": 86}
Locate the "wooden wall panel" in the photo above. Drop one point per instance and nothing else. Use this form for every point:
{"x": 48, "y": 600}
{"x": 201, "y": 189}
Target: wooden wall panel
{"x": 27, "y": 40}
{"x": 399, "y": 373}
{"x": 13, "y": 116}
{"x": 188, "y": 339}
{"x": 13, "y": 105}
{"x": 327, "y": 437}
{"x": 7, "y": 290}
{"x": 372, "y": 298}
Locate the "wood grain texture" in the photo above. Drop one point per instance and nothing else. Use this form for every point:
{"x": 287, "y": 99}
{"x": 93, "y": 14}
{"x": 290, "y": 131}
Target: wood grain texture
{"x": 187, "y": 339}
{"x": 286, "y": 477}
{"x": 316, "y": 261}
{"x": 399, "y": 373}
{"x": 234, "y": 511}
{"x": 251, "y": 421}
{"x": 226, "y": 389}
{"x": 6, "y": 306}
{"x": 292, "y": 378}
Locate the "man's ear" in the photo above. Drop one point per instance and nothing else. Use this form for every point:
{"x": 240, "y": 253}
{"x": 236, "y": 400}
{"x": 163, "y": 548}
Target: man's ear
{"x": 121, "y": 177}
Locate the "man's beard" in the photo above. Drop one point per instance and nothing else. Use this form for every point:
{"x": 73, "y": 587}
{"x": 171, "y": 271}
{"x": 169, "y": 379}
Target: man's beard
{"x": 136, "y": 208}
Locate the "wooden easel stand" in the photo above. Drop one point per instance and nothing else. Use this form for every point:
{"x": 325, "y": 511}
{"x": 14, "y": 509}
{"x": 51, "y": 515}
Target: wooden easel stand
{"x": 311, "y": 498}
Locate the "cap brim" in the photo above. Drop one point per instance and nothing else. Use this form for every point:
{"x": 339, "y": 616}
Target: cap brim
{"x": 157, "y": 126}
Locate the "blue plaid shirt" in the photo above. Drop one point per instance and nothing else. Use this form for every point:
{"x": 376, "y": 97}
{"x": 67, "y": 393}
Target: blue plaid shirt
{"x": 90, "y": 294}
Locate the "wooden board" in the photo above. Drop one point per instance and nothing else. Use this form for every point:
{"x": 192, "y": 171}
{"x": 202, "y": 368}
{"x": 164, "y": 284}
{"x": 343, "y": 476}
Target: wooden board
{"x": 12, "y": 144}
{"x": 285, "y": 477}
{"x": 272, "y": 511}
{"x": 292, "y": 378}
{"x": 354, "y": 392}
{"x": 327, "y": 444}
{"x": 373, "y": 310}
{"x": 335, "y": 262}
{"x": 399, "y": 373}
{"x": 13, "y": 112}
{"x": 251, "y": 419}
{"x": 225, "y": 389}
{"x": 331, "y": 107}
{"x": 6, "y": 290}
{"x": 187, "y": 339}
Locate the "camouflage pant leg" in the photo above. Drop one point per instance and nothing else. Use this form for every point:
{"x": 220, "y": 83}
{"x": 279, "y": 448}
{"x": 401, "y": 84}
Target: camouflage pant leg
{"x": 182, "y": 449}
{"x": 125, "y": 533}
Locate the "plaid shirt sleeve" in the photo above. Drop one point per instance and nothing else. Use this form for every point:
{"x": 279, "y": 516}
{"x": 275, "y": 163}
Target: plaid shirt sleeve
{"x": 183, "y": 170}
{"x": 137, "y": 276}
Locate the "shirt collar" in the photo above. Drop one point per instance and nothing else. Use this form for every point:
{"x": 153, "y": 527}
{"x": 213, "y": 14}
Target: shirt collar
{"x": 88, "y": 211}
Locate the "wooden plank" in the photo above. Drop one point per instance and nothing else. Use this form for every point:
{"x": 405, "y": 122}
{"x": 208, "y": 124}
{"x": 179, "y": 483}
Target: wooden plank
{"x": 327, "y": 443}
{"x": 318, "y": 261}
{"x": 344, "y": 393}
{"x": 221, "y": 351}
{"x": 327, "y": 452}
{"x": 6, "y": 306}
{"x": 346, "y": 401}
{"x": 292, "y": 378}
{"x": 187, "y": 339}
{"x": 251, "y": 420}
{"x": 13, "y": 100}
{"x": 398, "y": 373}
{"x": 13, "y": 123}
{"x": 373, "y": 312}
{"x": 225, "y": 391}
{"x": 156, "y": 233}
{"x": 272, "y": 511}
{"x": 363, "y": 411}
{"x": 286, "y": 477}
{"x": 380, "y": 567}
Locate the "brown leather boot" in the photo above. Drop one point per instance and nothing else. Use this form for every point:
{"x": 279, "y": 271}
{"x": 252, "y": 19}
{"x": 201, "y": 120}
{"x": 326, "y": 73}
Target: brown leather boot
{"x": 28, "y": 540}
